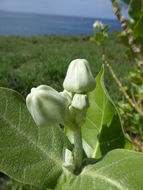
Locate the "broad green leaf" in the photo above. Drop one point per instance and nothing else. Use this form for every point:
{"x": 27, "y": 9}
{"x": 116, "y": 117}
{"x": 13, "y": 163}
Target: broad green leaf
{"x": 118, "y": 170}
{"x": 138, "y": 29}
{"x": 30, "y": 154}
{"x": 102, "y": 130}
{"x": 135, "y": 8}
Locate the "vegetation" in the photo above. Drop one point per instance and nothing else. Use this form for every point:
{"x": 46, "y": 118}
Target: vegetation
{"x": 43, "y": 155}
{"x": 131, "y": 106}
{"x": 27, "y": 62}
{"x": 47, "y": 61}
{"x": 82, "y": 145}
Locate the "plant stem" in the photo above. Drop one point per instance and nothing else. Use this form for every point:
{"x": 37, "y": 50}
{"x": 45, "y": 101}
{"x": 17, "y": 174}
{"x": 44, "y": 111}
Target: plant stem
{"x": 127, "y": 29}
{"x": 135, "y": 106}
{"x": 78, "y": 151}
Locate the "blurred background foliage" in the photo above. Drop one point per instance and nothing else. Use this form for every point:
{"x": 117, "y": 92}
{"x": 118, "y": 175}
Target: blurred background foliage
{"x": 27, "y": 62}
{"x": 132, "y": 119}
{"x": 131, "y": 103}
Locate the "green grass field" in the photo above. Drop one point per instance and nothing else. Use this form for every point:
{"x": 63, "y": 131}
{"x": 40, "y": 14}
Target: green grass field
{"x": 30, "y": 61}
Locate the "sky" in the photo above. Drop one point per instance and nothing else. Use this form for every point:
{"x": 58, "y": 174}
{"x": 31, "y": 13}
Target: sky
{"x": 83, "y": 8}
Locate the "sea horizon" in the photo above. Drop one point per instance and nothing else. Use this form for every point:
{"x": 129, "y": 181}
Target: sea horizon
{"x": 31, "y": 24}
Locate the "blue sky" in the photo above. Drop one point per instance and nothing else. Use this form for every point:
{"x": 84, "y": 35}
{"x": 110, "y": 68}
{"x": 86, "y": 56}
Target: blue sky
{"x": 86, "y": 8}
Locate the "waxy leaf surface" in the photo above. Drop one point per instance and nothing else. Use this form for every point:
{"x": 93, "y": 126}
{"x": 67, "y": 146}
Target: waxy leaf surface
{"x": 102, "y": 130}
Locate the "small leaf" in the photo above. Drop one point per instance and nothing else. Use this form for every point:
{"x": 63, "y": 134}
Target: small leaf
{"x": 102, "y": 130}
{"x": 135, "y": 8}
{"x": 118, "y": 170}
{"x": 138, "y": 29}
{"x": 28, "y": 153}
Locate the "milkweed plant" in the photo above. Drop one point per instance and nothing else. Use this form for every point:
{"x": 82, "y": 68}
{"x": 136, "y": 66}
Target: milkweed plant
{"x": 69, "y": 140}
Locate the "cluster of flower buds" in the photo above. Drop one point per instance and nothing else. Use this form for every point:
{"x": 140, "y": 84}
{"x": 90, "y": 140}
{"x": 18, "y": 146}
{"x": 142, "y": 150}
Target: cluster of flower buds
{"x": 98, "y": 25}
{"x": 69, "y": 107}
{"x": 78, "y": 81}
{"x": 100, "y": 32}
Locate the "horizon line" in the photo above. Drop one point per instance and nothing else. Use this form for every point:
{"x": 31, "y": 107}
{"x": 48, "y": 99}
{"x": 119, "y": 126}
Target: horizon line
{"x": 42, "y": 14}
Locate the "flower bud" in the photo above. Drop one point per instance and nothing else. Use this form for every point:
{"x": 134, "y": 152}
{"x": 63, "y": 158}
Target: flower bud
{"x": 132, "y": 20}
{"x": 98, "y": 25}
{"x": 80, "y": 101}
{"x": 79, "y": 108}
{"x": 69, "y": 162}
{"x": 79, "y": 78}
{"x": 46, "y": 105}
{"x": 67, "y": 95}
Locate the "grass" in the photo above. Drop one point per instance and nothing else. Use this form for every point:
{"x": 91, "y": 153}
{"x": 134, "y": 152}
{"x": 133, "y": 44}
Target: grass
{"x": 30, "y": 61}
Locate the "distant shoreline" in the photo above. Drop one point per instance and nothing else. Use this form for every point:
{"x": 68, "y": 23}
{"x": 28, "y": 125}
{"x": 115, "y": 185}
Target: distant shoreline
{"x": 55, "y": 15}
{"x": 29, "y": 24}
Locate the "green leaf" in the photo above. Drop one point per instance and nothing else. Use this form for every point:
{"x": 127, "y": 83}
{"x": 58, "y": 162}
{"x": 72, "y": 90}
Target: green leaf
{"x": 102, "y": 130}
{"x": 30, "y": 154}
{"x": 135, "y": 8}
{"x": 138, "y": 29}
{"x": 118, "y": 170}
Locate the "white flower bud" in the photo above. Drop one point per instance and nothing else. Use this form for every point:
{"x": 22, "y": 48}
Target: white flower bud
{"x": 46, "y": 105}
{"x": 98, "y": 25}
{"x": 67, "y": 95}
{"x": 79, "y": 108}
{"x": 132, "y": 20}
{"x": 69, "y": 163}
{"x": 79, "y": 78}
{"x": 80, "y": 101}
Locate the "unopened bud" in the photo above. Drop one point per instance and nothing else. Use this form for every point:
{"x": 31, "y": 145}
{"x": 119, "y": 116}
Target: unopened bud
{"x": 46, "y": 105}
{"x": 80, "y": 101}
{"x": 69, "y": 163}
{"x": 97, "y": 25}
{"x": 79, "y": 108}
{"x": 79, "y": 78}
{"x": 67, "y": 95}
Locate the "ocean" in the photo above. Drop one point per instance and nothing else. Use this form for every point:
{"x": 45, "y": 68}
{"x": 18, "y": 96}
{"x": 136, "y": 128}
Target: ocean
{"x": 26, "y": 24}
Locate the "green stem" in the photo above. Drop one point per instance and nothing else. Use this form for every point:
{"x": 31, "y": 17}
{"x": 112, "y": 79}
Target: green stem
{"x": 78, "y": 151}
{"x": 130, "y": 100}
{"x": 128, "y": 30}
{"x": 103, "y": 49}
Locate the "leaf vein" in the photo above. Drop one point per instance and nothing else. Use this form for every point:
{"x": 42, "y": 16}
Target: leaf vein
{"x": 31, "y": 141}
{"x": 105, "y": 178}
